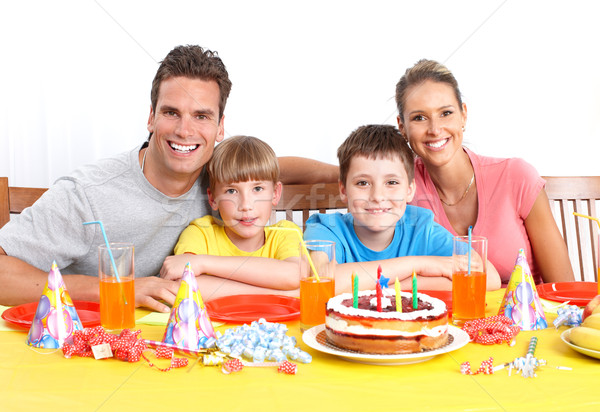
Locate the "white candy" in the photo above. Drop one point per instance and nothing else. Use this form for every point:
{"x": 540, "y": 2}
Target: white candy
{"x": 262, "y": 339}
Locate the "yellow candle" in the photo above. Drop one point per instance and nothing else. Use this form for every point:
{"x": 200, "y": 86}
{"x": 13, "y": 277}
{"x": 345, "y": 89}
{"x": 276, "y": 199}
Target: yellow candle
{"x": 398, "y": 297}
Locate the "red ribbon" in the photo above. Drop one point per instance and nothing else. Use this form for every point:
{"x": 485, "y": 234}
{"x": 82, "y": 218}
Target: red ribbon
{"x": 495, "y": 329}
{"x": 487, "y": 368}
{"x": 125, "y": 346}
{"x": 232, "y": 365}
{"x": 288, "y": 368}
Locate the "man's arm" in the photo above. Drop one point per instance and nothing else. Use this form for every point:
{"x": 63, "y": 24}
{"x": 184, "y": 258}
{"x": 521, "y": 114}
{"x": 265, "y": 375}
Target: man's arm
{"x": 300, "y": 170}
{"x": 23, "y": 283}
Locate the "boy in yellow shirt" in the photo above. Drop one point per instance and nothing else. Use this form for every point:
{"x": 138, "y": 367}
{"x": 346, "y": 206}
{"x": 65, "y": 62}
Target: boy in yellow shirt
{"x": 248, "y": 255}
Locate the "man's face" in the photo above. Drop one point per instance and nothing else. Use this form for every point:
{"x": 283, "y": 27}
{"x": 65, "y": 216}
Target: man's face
{"x": 184, "y": 127}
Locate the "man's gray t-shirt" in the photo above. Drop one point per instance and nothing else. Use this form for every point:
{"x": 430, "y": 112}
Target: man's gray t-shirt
{"x": 115, "y": 192}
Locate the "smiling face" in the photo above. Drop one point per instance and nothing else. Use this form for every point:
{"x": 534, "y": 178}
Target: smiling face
{"x": 184, "y": 127}
{"x": 432, "y": 121}
{"x": 245, "y": 208}
{"x": 376, "y": 192}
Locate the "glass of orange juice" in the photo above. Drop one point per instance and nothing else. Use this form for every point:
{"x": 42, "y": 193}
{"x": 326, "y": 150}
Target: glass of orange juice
{"x": 117, "y": 298}
{"x": 468, "y": 278}
{"x": 316, "y": 291}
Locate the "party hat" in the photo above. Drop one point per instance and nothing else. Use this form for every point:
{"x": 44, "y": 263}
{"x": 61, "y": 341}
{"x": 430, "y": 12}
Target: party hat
{"x": 55, "y": 318}
{"x": 189, "y": 326}
{"x": 521, "y": 301}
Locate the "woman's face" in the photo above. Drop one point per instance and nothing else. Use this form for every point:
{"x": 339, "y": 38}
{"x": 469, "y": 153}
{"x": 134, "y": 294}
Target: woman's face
{"x": 433, "y": 122}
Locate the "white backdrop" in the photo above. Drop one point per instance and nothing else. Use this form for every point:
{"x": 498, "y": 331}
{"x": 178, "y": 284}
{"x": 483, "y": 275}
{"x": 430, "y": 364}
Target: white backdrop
{"x": 76, "y": 75}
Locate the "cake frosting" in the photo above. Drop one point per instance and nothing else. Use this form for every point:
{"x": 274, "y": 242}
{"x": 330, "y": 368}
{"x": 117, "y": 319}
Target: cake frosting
{"x": 364, "y": 329}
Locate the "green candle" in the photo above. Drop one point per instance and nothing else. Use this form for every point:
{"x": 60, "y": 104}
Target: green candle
{"x": 414, "y": 290}
{"x": 355, "y": 290}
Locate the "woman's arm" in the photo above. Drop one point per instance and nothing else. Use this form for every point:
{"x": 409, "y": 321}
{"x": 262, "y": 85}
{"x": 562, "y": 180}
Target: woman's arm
{"x": 300, "y": 170}
{"x": 23, "y": 283}
{"x": 252, "y": 270}
{"x": 549, "y": 248}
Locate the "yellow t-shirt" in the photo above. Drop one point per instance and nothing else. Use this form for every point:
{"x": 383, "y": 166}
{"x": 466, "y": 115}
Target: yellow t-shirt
{"x": 206, "y": 236}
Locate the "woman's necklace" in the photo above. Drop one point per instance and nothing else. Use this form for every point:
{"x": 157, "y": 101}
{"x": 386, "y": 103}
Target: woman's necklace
{"x": 461, "y": 198}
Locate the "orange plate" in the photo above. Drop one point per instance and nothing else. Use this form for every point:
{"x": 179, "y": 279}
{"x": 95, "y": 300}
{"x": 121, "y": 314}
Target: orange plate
{"x": 443, "y": 295}
{"x": 247, "y": 308}
{"x": 22, "y": 315}
{"x": 577, "y": 293}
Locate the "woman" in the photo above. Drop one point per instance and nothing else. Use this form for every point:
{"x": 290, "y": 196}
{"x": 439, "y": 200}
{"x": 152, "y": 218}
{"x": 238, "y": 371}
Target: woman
{"x": 503, "y": 199}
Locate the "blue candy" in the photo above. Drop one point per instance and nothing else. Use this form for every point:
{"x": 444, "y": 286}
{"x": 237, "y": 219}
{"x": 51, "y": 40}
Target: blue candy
{"x": 259, "y": 341}
{"x": 304, "y": 357}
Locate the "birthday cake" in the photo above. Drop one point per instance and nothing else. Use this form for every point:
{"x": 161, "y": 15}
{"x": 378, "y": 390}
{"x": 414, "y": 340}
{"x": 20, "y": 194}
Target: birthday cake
{"x": 364, "y": 329}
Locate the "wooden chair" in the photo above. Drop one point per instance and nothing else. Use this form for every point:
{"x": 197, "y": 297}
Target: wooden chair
{"x": 15, "y": 199}
{"x": 579, "y": 194}
{"x": 298, "y": 202}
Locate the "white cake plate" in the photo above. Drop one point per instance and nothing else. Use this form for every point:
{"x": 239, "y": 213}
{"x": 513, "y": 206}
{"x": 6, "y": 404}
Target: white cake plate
{"x": 315, "y": 338}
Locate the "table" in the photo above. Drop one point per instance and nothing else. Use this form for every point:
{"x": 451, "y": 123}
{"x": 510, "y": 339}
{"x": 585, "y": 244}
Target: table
{"x": 35, "y": 379}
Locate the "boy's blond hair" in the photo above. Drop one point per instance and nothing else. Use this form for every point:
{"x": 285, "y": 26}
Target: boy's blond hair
{"x": 372, "y": 141}
{"x": 241, "y": 159}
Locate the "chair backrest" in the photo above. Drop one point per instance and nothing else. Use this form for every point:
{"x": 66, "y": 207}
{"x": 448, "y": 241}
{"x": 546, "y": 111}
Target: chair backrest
{"x": 579, "y": 194}
{"x": 298, "y": 202}
{"x": 15, "y": 199}
{"x": 567, "y": 194}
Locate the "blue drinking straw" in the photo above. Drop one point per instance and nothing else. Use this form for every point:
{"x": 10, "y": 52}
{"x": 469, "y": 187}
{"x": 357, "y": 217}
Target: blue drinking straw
{"x": 469, "y": 261}
{"x": 112, "y": 259}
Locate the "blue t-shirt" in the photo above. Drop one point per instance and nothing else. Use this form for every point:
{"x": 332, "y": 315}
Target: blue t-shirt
{"x": 416, "y": 234}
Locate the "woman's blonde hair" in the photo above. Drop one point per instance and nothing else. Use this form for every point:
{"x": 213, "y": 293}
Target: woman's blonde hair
{"x": 241, "y": 159}
{"x": 422, "y": 71}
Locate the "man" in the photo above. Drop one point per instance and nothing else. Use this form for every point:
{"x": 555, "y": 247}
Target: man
{"x": 146, "y": 196}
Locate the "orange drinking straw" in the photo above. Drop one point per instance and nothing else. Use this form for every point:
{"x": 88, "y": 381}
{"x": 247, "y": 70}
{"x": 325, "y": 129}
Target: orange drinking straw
{"x": 310, "y": 262}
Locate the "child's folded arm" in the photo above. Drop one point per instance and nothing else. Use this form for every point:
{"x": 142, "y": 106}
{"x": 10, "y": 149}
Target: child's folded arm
{"x": 258, "y": 271}
{"x": 438, "y": 268}
{"x": 213, "y": 287}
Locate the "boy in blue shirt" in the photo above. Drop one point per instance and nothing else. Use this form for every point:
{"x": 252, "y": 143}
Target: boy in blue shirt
{"x": 376, "y": 182}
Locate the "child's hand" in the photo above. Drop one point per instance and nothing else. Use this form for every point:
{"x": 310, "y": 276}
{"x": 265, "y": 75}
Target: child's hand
{"x": 173, "y": 266}
{"x": 437, "y": 266}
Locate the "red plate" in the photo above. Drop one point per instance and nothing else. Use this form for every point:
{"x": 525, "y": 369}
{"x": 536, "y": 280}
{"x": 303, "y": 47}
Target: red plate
{"x": 443, "y": 295}
{"x": 577, "y": 293}
{"x": 22, "y": 315}
{"x": 247, "y": 308}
